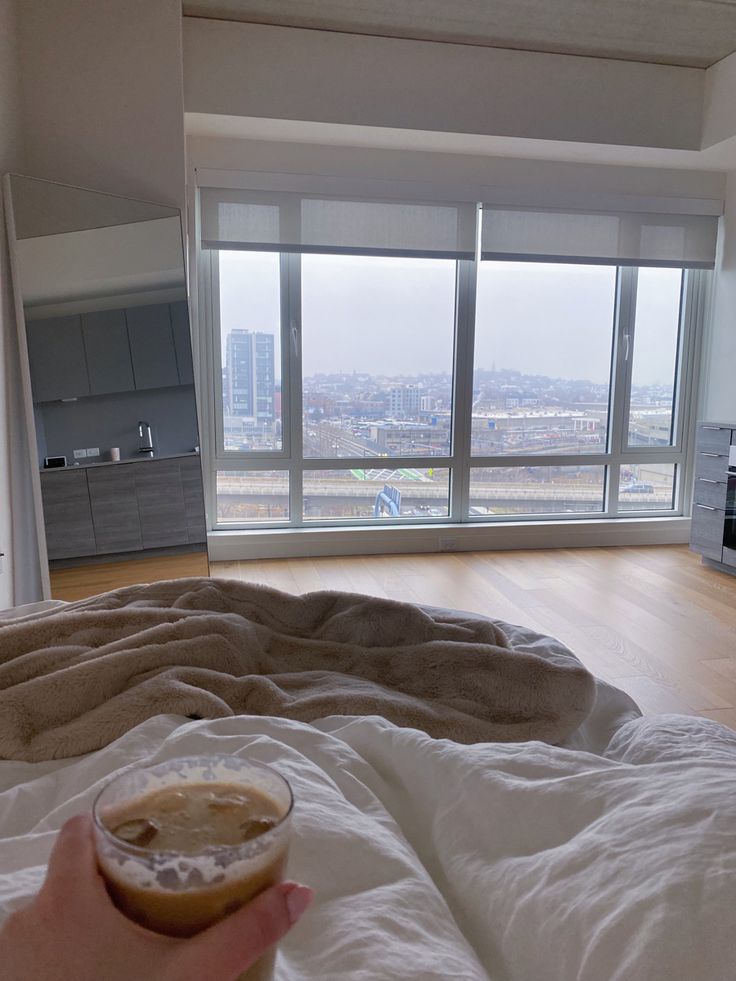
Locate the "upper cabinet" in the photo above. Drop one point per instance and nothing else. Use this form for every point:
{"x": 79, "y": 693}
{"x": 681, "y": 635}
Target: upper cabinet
{"x": 110, "y": 351}
{"x": 57, "y": 359}
{"x": 109, "y": 364}
{"x": 182, "y": 342}
{"x": 152, "y": 346}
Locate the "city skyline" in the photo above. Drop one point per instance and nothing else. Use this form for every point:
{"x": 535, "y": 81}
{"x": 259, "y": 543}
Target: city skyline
{"x": 407, "y": 325}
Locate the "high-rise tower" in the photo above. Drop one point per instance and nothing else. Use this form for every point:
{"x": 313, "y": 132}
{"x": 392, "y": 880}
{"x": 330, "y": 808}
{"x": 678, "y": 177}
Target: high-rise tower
{"x": 249, "y": 374}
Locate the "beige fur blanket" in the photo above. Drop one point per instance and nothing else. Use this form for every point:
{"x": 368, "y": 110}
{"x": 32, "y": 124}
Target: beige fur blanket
{"x": 74, "y": 680}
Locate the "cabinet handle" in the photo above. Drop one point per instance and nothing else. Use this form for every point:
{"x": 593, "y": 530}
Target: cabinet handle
{"x": 706, "y": 507}
{"x": 716, "y": 428}
{"x": 716, "y": 455}
{"x": 707, "y": 480}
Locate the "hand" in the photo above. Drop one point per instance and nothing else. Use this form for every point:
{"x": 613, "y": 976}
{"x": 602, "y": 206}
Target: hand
{"x": 71, "y": 931}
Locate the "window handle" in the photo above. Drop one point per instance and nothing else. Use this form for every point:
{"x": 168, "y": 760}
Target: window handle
{"x": 295, "y": 338}
{"x": 627, "y": 345}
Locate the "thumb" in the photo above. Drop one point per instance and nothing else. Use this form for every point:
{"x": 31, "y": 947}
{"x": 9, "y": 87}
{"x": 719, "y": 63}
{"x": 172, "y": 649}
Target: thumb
{"x": 234, "y": 944}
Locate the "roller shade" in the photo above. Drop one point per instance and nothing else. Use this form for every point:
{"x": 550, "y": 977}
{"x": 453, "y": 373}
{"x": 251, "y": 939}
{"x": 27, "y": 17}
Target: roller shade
{"x": 599, "y": 237}
{"x": 287, "y": 222}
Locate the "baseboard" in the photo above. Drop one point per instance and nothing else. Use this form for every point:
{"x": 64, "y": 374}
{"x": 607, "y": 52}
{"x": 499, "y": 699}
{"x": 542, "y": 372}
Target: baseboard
{"x": 231, "y": 546}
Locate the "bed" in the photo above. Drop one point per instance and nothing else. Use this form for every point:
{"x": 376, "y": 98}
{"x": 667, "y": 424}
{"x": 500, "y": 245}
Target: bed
{"x": 609, "y": 856}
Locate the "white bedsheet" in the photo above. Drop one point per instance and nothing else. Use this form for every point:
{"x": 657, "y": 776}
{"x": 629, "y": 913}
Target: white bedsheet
{"x": 432, "y": 860}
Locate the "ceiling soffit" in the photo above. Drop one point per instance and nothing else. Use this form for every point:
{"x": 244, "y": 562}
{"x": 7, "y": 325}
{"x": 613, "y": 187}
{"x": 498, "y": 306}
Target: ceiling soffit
{"x": 690, "y": 33}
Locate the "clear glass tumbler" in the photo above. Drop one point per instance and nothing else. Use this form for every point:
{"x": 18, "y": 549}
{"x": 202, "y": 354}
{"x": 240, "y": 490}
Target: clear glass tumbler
{"x": 180, "y": 894}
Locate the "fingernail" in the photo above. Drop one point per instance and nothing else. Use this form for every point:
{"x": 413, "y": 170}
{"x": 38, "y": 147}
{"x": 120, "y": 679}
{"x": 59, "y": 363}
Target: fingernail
{"x": 298, "y": 898}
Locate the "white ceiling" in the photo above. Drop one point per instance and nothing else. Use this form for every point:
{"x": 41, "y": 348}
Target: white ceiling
{"x": 694, "y": 33}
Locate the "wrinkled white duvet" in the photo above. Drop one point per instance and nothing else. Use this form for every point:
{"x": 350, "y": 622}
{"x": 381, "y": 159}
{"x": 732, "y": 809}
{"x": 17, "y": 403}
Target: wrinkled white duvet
{"x": 431, "y": 860}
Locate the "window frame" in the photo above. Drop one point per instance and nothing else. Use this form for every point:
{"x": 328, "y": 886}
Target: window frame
{"x": 694, "y": 291}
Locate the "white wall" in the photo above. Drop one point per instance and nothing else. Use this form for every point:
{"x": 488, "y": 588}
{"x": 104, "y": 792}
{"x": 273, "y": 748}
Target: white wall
{"x": 718, "y": 401}
{"x": 719, "y": 108}
{"x": 102, "y": 95}
{"x": 11, "y": 158}
{"x": 287, "y": 73}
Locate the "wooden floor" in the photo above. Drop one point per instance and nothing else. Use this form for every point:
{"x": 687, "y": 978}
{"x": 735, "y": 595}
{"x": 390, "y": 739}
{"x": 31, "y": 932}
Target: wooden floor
{"x": 87, "y": 580}
{"x": 652, "y": 620}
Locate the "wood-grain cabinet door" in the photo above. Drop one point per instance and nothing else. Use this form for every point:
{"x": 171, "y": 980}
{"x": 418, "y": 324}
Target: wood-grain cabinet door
{"x": 191, "y": 479}
{"x": 67, "y": 514}
{"x": 112, "y": 495}
{"x": 161, "y": 506}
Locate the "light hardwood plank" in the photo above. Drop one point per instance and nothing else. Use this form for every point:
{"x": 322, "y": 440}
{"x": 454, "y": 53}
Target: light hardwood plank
{"x": 80, "y": 582}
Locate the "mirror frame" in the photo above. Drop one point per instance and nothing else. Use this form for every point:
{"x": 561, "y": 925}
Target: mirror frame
{"x": 22, "y": 336}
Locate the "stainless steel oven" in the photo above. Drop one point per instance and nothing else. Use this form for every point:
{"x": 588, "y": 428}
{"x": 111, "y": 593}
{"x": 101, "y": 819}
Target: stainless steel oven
{"x": 729, "y": 529}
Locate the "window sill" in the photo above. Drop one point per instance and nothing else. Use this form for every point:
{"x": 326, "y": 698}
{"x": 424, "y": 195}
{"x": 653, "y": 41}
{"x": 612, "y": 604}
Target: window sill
{"x": 387, "y": 539}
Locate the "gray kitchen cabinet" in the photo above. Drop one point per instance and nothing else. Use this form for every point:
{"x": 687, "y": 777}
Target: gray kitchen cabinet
{"x": 67, "y": 514}
{"x": 126, "y": 507}
{"x": 712, "y": 445}
{"x": 57, "y": 359}
{"x": 112, "y": 495}
{"x": 160, "y": 496}
{"x": 191, "y": 479}
{"x": 706, "y": 531}
{"x": 109, "y": 364}
{"x": 182, "y": 341}
{"x": 152, "y": 348}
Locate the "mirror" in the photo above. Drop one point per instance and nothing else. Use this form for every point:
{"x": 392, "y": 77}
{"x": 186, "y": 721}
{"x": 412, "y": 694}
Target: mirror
{"x": 101, "y": 287}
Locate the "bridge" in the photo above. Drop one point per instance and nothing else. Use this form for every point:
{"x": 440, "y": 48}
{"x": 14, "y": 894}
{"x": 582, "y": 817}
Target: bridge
{"x": 358, "y": 497}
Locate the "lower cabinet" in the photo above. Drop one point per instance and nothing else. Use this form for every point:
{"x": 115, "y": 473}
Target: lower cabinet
{"x": 706, "y": 531}
{"x": 67, "y": 514}
{"x": 125, "y": 507}
{"x": 112, "y": 494}
{"x": 191, "y": 481}
{"x": 160, "y": 497}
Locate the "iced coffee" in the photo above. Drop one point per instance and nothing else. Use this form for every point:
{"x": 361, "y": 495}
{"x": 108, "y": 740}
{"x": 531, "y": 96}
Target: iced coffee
{"x": 185, "y": 843}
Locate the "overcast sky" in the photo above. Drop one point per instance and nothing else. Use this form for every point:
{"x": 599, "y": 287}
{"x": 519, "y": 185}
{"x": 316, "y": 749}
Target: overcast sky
{"x": 394, "y": 316}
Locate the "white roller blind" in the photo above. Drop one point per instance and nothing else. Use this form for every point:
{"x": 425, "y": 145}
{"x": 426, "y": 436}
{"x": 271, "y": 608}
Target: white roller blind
{"x": 599, "y": 237}
{"x": 287, "y": 222}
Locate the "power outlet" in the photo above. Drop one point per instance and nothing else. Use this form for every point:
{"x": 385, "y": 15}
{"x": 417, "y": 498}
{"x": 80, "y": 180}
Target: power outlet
{"x": 448, "y": 544}
{"x": 80, "y": 454}
{"x": 93, "y": 451}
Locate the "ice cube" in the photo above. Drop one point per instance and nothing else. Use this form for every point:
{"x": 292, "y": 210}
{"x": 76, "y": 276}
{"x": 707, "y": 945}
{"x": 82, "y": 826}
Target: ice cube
{"x": 139, "y": 832}
{"x": 256, "y": 826}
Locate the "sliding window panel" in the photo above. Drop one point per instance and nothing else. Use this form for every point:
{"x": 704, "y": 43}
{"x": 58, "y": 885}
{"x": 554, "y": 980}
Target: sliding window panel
{"x": 654, "y": 369}
{"x": 377, "y": 356}
{"x": 646, "y": 487}
{"x": 249, "y": 301}
{"x": 543, "y": 343}
{"x": 252, "y": 497}
{"x": 376, "y": 494}
{"x": 498, "y": 492}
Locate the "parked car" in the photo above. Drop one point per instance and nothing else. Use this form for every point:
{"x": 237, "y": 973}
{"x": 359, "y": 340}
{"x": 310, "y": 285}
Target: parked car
{"x": 638, "y": 488}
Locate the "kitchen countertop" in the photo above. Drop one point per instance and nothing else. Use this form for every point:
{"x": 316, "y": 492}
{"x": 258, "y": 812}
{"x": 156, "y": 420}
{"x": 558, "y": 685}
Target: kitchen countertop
{"x": 117, "y": 463}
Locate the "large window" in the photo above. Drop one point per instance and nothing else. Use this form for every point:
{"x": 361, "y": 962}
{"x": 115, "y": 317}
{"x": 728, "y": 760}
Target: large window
{"x": 369, "y": 367}
{"x": 543, "y": 342}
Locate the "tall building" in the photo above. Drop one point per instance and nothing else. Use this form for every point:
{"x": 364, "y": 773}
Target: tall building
{"x": 249, "y": 374}
{"x": 404, "y": 400}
